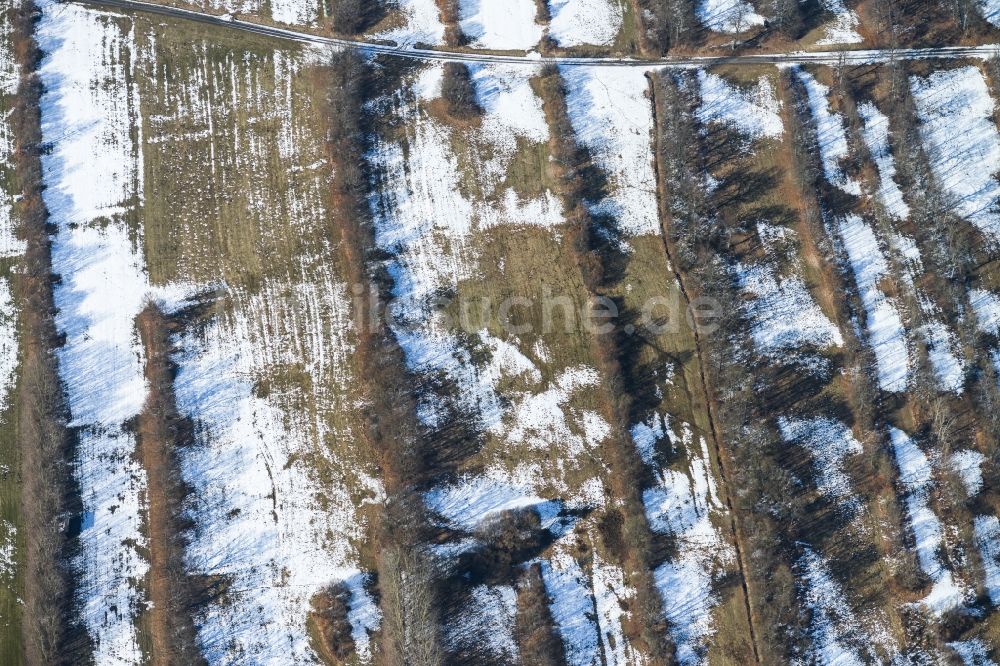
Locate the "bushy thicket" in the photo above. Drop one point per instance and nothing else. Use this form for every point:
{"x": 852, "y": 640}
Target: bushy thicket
{"x": 50, "y": 504}
{"x": 459, "y": 92}
{"x": 406, "y": 576}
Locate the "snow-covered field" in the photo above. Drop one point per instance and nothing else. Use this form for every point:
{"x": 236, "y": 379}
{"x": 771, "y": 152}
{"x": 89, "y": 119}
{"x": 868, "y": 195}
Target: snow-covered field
{"x": 577, "y": 22}
{"x": 427, "y": 224}
{"x": 962, "y": 143}
{"x": 94, "y": 178}
{"x": 280, "y": 485}
{"x": 613, "y": 118}
{"x": 500, "y": 24}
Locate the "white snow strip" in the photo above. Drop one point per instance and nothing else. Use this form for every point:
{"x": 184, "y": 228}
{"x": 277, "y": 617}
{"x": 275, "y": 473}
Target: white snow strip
{"x": 886, "y": 334}
{"x": 682, "y": 504}
{"x": 844, "y": 27}
{"x": 10, "y": 246}
{"x": 500, "y": 24}
{"x": 610, "y": 595}
{"x": 421, "y": 24}
{"x": 487, "y": 623}
{"x": 915, "y": 476}
{"x": 295, "y": 12}
{"x": 991, "y": 11}
{"x": 572, "y": 608}
{"x": 577, "y": 22}
{"x": 875, "y": 131}
{"x": 785, "y": 316}
{"x": 9, "y": 351}
{"x": 830, "y": 442}
{"x": 973, "y": 652}
{"x": 755, "y": 111}
{"x": 255, "y": 499}
{"x": 834, "y": 624}
{"x": 943, "y": 350}
{"x": 986, "y": 305}
{"x": 8, "y": 549}
{"x": 728, "y": 16}
{"x": 956, "y": 114}
{"x": 831, "y": 136}
{"x": 471, "y": 500}
{"x": 94, "y": 173}
{"x": 987, "y": 534}
{"x": 968, "y": 465}
{"x": 612, "y": 116}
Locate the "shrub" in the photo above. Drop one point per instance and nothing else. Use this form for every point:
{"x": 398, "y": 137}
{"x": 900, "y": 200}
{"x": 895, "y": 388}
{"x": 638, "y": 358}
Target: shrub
{"x": 459, "y": 92}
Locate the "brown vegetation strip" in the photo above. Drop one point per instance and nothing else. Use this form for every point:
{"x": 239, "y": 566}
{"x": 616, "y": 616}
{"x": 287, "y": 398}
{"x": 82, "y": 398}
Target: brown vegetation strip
{"x": 161, "y": 430}
{"x": 408, "y": 598}
{"x": 722, "y": 458}
{"x": 50, "y": 500}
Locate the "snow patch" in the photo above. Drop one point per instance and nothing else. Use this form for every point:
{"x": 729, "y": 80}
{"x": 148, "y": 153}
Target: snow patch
{"x": 500, "y": 24}
{"x": 875, "y": 131}
{"x": 915, "y": 476}
{"x": 487, "y": 622}
{"x": 833, "y": 622}
{"x": 610, "y": 595}
{"x": 973, "y": 652}
{"x": 830, "y": 133}
{"x": 956, "y": 114}
{"x": 785, "y": 316}
{"x": 830, "y": 442}
{"x": 471, "y": 500}
{"x": 577, "y": 22}
{"x": 728, "y": 16}
{"x": 572, "y": 608}
{"x": 968, "y": 465}
{"x": 613, "y": 118}
{"x": 987, "y": 535}
{"x": 986, "y": 305}
{"x": 421, "y": 24}
{"x": 844, "y": 27}
{"x": 755, "y": 111}
{"x": 943, "y": 350}
{"x": 295, "y": 12}
{"x": 682, "y": 504}
{"x": 886, "y": 334}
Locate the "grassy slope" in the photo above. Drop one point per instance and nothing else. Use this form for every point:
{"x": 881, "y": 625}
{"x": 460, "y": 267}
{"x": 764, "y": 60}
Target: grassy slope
{"x": 233, "y": 208}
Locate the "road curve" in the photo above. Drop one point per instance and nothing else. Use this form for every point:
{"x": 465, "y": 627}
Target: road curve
{"x": 845, "y": 57}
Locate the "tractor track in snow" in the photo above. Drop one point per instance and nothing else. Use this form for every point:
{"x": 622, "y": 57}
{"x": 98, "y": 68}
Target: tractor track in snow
{"x": 412, "y": 52}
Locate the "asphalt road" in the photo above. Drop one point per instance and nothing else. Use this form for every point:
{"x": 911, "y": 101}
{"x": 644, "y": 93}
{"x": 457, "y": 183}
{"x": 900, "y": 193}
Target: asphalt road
{"x": 847, "y": 57}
